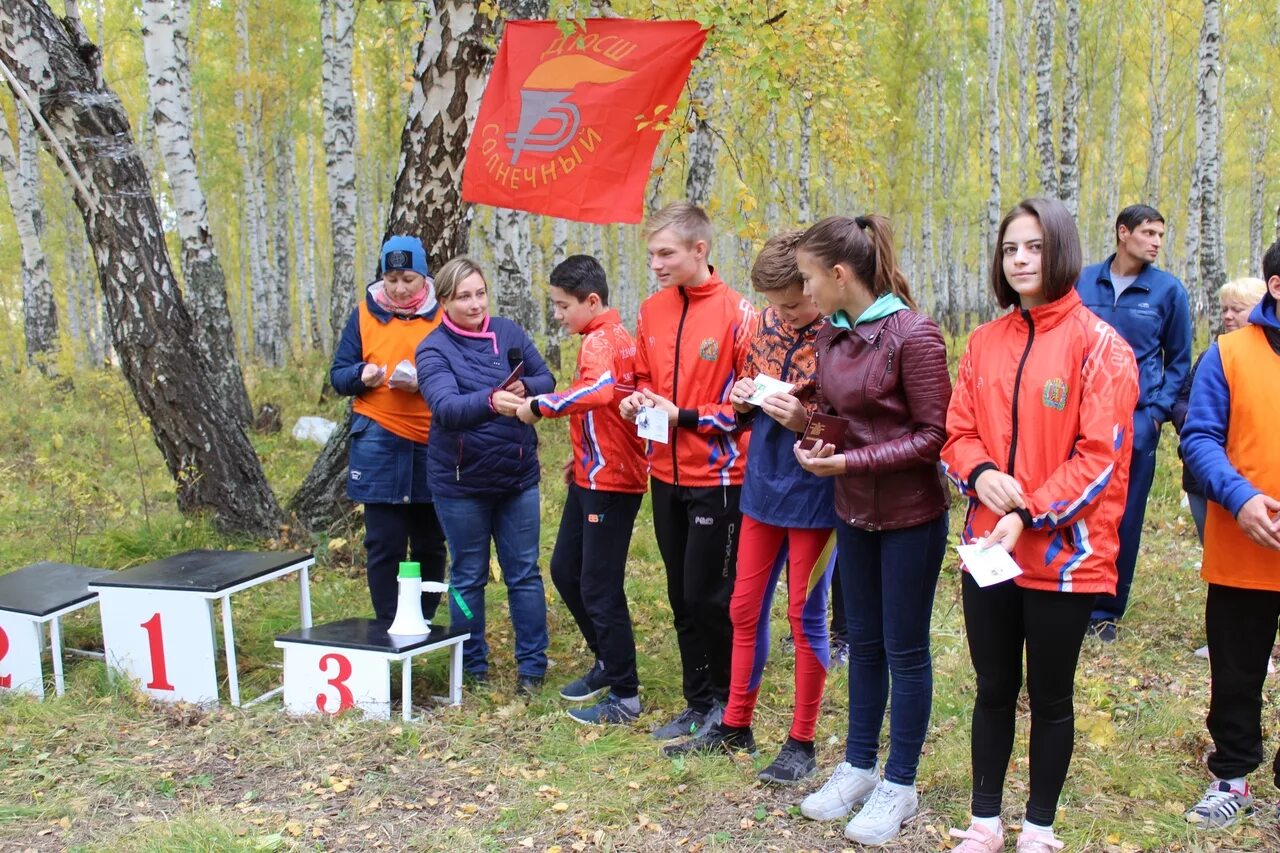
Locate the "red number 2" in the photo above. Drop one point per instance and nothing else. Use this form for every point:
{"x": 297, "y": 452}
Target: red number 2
{"x": 5, "y": 680}
{"x": 337, "y": 682}
{"x": 155, "y": 642}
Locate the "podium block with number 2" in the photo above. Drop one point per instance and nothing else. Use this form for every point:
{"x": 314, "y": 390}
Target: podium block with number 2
{"x": 162, "y": 640}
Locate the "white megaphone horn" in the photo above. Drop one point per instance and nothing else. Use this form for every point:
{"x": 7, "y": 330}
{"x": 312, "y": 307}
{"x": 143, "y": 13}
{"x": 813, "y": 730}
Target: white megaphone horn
{"x": 409, "y": 621}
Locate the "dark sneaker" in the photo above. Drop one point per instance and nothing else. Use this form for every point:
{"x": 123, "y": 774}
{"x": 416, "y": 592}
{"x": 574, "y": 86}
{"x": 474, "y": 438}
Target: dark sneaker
{"x": 793, "y": 763}
{"x": 607, "y": 711}
{"x": 687, "y": 722}
{"x": 839, "y": 653}
{"x": 528, "y": 685}
{"x": 787, "y": 644}
{"x": 589, "y": 686}
{"x": 1220, "y": 806}
{"x": 715, "y": 737}
{"x": 1104, "y": 630}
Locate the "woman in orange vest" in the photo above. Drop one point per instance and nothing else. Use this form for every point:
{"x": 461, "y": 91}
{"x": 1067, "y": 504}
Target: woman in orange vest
{"x": 1229, "y": 442}
{"x": 374, "y": 362}
{"x": 1039, "y": 435}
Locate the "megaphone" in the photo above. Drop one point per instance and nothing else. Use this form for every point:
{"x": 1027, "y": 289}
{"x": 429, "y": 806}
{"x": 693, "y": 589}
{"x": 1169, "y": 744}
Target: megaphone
{"x": 409, "y": 621}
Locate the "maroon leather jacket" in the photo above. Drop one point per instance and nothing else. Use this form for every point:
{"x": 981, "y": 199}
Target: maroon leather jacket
{"x": 889, "y": 378}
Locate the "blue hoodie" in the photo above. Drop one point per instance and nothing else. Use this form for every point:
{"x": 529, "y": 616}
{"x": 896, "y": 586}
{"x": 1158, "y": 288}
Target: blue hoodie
{"x": 1204, "y": 436}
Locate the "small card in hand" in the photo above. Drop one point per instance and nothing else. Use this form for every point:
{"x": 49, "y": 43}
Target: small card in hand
{"x": 517, "y": 373}
{"x": 828, "y": 429}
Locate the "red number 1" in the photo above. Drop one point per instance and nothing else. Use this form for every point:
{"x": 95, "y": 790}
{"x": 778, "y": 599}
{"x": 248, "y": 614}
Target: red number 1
{"x": 5, "y": 680}
{"x": 155, "y": 642}
{"x": 337, "y": 682}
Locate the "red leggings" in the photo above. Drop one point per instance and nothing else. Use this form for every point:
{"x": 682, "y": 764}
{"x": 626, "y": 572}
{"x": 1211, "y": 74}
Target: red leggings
{"x": 763, "y": 550}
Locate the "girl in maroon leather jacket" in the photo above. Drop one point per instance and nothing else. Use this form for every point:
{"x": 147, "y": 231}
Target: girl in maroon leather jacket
{"x": 882, "y": 366}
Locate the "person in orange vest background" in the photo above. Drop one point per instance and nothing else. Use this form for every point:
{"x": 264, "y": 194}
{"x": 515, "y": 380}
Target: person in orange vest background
{"x": 374, "y": 362}
{"x": 1229, "y": 442}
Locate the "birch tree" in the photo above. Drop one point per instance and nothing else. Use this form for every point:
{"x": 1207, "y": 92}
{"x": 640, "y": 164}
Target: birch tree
{"x": 165, "y": 24}
{"x": 1045, "y": 22}
{"x": 995, "y": 45}
{"x": 1157, "y": 82}
{"x": 1208, "y": 146}
{"x": 208, "y": 455}
{"x": 337, "y": 24}
{"x": 21, "y": 171}
{"x": 700, "y": 173}
{"x": 1069, "y": 184}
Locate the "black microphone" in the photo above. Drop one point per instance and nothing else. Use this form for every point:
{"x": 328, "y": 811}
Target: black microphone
{"x": 514, "y": 356}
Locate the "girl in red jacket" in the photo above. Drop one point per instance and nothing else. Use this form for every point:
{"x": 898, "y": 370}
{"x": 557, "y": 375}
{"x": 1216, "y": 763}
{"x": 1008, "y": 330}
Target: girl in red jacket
{"x": 1038, "y": 439}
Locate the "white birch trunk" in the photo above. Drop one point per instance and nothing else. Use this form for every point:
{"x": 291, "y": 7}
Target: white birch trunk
{"x": 165, "y": 50}
{"x": 804, "y": 169}
{"x": 995, "y": 46}
{"x": 318, "y": 326}
{"x": 1157, "y": 79}
{"x": 1022, "y": 42}
{"x": 1069, "y": 183}
{"x": 771, "y": 182}
{"x": 1260, "y": 140}
{"x": 1213, "y": 267}
{"x": 306, "y": 286}
{"x": 337, "y": 22}
{"x": 702, "y": 144}
{"x": 21, "y": 171}
{"x": 1111, "y": 153}
{"x": 1045, "y": 20}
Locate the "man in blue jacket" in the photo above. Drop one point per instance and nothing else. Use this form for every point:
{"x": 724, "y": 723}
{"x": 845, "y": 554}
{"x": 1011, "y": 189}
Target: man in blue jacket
{"x": 1148, "y": 307}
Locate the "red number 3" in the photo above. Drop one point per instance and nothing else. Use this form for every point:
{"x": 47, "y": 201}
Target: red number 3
{"x": 5, "y": 680}
{"x": 337, "y": 682}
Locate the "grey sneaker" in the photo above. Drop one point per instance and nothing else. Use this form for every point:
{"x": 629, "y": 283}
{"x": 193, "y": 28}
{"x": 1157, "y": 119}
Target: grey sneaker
{"x": 793, "y": 763}
{"x": 1220, "y": 806}
{"x": 848, "y": 786}
{"x": 839, "y": 653}
{"x": 608, "y": 711}
{"x": 886, "y": 810}
{"x": 589, "y": 686}
{"x": 687, "y": 722}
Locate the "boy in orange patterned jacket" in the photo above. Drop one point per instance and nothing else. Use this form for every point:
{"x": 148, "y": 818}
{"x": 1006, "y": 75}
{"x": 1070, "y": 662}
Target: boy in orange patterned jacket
{"x": 692, "y": 338}
{"x": 607, "y": 476}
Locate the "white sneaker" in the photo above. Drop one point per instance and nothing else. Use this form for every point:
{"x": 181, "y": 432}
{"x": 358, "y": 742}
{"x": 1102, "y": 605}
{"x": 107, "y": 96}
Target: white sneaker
{"x": 887, "y": 809}
{"x": 847, "y": 787}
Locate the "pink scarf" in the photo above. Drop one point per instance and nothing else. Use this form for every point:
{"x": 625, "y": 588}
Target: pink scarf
{"x": 412, "y": 306}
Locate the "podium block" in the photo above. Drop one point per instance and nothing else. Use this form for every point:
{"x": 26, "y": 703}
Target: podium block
{"x": 343, "y": 665}
{"x": 158, "y": 628}
{"x": 31, "y": 597}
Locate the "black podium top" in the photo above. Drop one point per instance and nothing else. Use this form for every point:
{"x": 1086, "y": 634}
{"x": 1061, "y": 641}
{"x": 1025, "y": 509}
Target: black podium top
{"x": 44, "y": 588}
{"x": 365, "y": 635}
{"x": 204, "y": 571}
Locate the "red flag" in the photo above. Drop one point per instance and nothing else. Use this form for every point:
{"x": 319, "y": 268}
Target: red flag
{"x": 558, "y": 131}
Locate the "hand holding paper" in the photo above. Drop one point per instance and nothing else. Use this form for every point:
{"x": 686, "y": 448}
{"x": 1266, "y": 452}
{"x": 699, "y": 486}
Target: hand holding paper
{"x": 986, "y": 565}
{"x": 652, "y": 424}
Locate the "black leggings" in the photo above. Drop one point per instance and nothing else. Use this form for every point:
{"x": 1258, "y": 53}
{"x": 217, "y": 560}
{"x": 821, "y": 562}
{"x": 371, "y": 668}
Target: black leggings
{"x": 1000, "y": 621}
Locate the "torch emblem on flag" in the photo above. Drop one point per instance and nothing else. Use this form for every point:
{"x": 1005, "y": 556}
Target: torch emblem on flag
{"x": 544, "y": 97}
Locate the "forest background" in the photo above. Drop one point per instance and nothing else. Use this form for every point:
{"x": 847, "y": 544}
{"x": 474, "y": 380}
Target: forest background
{"x": 796, "y": 111}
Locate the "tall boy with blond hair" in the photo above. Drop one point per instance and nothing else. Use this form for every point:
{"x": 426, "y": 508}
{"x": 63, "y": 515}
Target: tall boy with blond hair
{"x": 692, "y": 338}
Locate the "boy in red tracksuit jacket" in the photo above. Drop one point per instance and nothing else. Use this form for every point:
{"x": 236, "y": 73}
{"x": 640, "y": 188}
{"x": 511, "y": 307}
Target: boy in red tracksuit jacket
{"x": 692, "y": 339}
{"x": 607, "y": 480}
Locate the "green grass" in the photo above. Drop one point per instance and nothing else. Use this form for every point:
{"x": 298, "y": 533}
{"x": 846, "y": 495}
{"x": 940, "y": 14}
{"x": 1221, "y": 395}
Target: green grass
{"x": 102, "y": 768}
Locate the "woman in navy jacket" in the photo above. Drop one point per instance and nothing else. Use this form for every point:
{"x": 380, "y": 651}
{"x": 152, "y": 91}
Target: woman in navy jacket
{"x": 482, "y": 465}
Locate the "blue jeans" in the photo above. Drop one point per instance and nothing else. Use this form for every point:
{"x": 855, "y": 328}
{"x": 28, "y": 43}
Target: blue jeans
{"x": 511, "y": 521}
{"x": 1142, "y": 472}
{"x": 888, "y": 579}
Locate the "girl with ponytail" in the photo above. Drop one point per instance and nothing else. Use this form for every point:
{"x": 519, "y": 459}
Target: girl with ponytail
{"x": 882, "y": 367}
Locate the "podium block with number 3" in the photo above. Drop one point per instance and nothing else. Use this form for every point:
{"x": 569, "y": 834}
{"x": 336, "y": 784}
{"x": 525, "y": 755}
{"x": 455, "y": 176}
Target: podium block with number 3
{"x": 162, "y": 640}
{"x": 334, "y": 667}
{"x": 330, "y": 681}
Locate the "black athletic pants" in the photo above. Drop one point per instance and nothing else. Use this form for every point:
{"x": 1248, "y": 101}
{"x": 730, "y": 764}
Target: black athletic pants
{"x": 1000, "y": 621}
{"x": 1241, "y": 625}
{"x": 697, "y": 531}
{"x": 588, "y": 568}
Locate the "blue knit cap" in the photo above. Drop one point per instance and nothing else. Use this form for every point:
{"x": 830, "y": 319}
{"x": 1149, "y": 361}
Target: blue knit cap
{"x": 404, "y": 253}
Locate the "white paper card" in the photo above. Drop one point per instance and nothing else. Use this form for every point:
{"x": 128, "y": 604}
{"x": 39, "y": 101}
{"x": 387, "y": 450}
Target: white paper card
{"x": 988, "y": 565}
{"x": 405, "y": 370}
{"x": 767, "y": 386}
{"x": 652, "y": 424}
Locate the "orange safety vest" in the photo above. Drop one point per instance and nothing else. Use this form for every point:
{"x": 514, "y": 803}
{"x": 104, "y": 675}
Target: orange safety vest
{"x": 1252, "y": 371}
{"x": 403, "y": 413}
